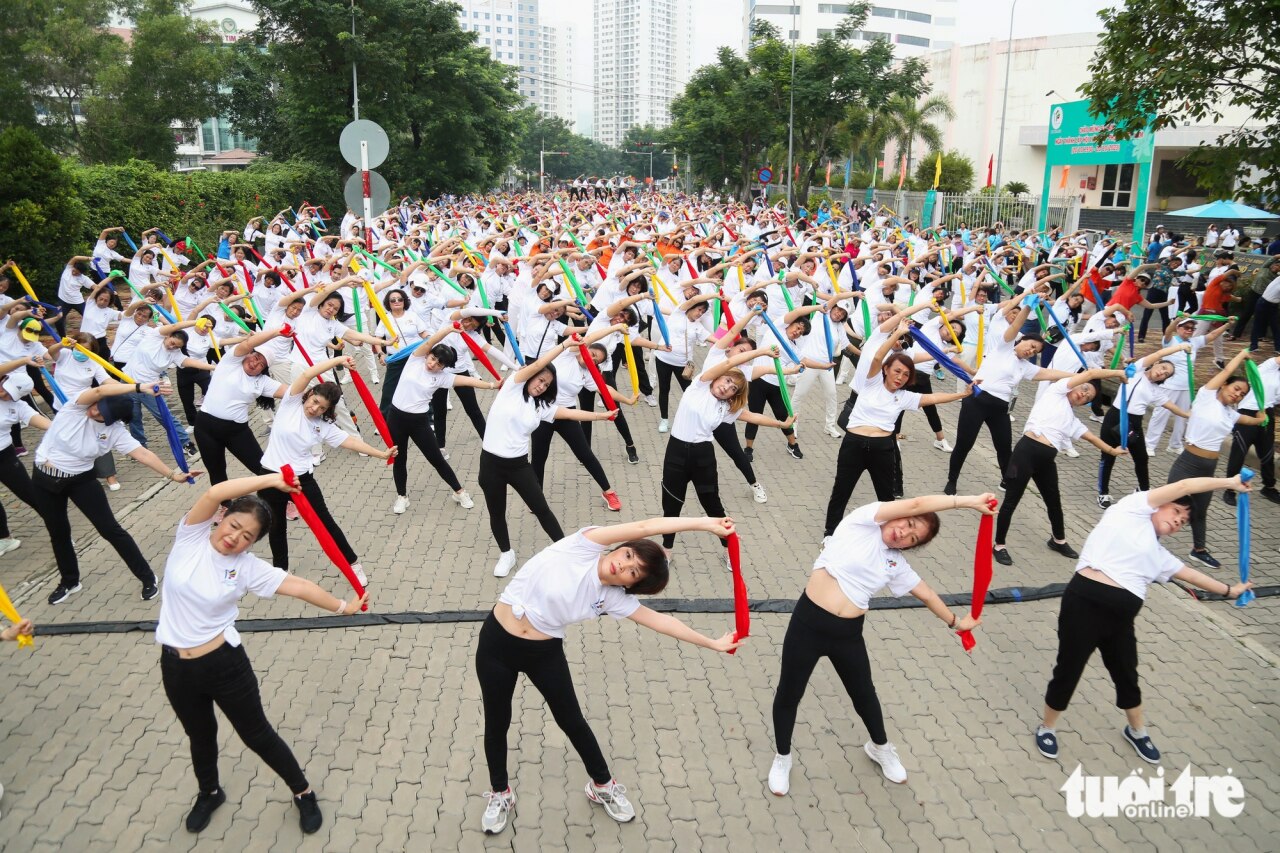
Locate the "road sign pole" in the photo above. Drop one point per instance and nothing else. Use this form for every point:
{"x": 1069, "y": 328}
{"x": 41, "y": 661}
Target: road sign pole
{"x": 368, "y": 205}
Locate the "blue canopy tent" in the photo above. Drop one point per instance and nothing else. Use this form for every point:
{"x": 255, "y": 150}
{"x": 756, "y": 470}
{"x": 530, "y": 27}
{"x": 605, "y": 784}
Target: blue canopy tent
{"x": 1222, "y": 209}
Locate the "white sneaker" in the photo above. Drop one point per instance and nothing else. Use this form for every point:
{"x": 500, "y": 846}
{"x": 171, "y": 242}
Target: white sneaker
{"x": 780, "y": 775}
{"x": 498, "y": 810}
{"x": 191, "y": 430}
{"x": 613, "y": 798}
{"x": 1097, "y": 419}
{"x": 728, "y": 564}
{"x": 268, "y": 418}
{"x": 758, "y": 490}
{"x": 10, "y": 544}
{"x": 505, "y": 564}
{"x": 887, "y": 757}
{"x": 346, "y": 378}
{"x": 360, "y": 575}
{"x": 317, "y": 458}
{"x": 652, "y": 401}
{"x": 463, "y": 499}
{"x": 373, "y": 380}
{"x": 448, "y": 404}
{"x": 943, "y": 445}
{"x": 445, "y": 454}
{"x": 835, "y": 431}
{"x": 402, "y": 503}
{"x": 663, "y": 425}
{"x": 1173, "y": 451}
{"x": 1072, "y": 452}
{"x": 115, "y": 487}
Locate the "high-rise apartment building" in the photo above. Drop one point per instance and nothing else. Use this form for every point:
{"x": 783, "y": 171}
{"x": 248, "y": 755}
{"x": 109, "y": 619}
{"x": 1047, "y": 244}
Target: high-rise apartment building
{"x": 642, "y": 60}
{"x": 913, "y": 27}
{"x": 510, "y": 31}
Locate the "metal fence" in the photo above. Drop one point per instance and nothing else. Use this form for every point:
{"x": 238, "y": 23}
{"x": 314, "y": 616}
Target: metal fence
{"x": 974, "y": 210}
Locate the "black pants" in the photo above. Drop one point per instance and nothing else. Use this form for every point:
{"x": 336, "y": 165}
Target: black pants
{"x": 974, "y": 412}
{"x": 665, "y": 373}
{"x": 14, "y": 476}
{"x": 1096, "y": 616}
{"x": 860, "y": 453}
{"x": 924, "y": 385}
{"x": 726, "y": 435}
{"x": 498, "y": 472}
{"x": 1186, "y": 298}
{"x": 64, "y": 311}
{"x": 642, "y": 373}
{"x": 1031, "y": 461}
{"x": 50, "y": 496}
{"x": 1186, "y": 466}
{"x": 813, "y": 634}
{"x": 571, "y": 432}
{"x": 215, "y": 436}
{"x": 440, "y": 406}
{"x": 587, "y": 403}
{"x": 391, "y": 379}
{"x": 1266, "y": 323}
{"x": 405, "y": 426}
{"x": 686, "y": 463}
{"x": 760, "y": 392}
{"x": 1148, "y": 313}
{"x": 500, "y": 658}
{"x": 845, "y": 413}
{"x": 188, "y": 379}
{"x": 279, "y": 536}
{"x": 224, "y": 677}
{"x": 1260, "y": 438}
{"x": 1110, "y": 433}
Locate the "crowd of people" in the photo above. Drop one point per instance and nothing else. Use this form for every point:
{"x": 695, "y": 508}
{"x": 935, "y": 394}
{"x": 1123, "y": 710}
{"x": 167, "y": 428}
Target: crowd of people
{"x": 537, "y": 315}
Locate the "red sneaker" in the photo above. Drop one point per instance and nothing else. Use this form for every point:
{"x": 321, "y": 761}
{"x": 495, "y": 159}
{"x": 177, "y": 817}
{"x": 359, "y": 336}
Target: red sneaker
{"x": 611, "y": 501}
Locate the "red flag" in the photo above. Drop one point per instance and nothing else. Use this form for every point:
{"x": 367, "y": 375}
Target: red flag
{"x": 990, "y": 165}
{"x": 741, "y": 612}
{"x": 828, "y": 173}
{"x": 981, "y": 575}
{"x": 797, "y": 172}
{"x": 902, "y": 171}
{"x": 322, "y": 534}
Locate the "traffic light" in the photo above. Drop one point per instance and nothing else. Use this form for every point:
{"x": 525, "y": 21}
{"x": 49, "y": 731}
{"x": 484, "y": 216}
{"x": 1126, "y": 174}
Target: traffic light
{"x": 675, "y": 169}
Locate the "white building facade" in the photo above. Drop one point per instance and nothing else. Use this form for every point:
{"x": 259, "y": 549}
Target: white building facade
{"x": 511, "y": 32}
{"x": 642, "y": 60}
{"x": 913, "y": 27}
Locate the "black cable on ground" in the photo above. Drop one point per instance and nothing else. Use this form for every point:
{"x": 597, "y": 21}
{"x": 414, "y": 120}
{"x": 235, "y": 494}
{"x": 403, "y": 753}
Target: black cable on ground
{"x": 1004, "y": 595}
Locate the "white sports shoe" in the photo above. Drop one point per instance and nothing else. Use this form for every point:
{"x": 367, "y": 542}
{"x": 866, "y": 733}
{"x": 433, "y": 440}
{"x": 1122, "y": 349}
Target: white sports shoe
{"x": 663, "y": 425}
{"x": 7, "y": 545}
{"x": 444, "y": 454}
{"x": 943, "y": 445}
{"x": 463, "y": 499}
{"x": 652, "y": 401}
{"x": 1072, "y": 452}
{"x": 835, "y": 431}
{"x": 498, "y": 810}
{"x": 613, "y": 798}
{"x": 505, "y": 564}
{"x": 317, "y": 458}
{"x": 887, "y": 757}
{"x": 360, "y": 575}
{"x": 780, "y": 775}
{"x": 758, "y": 490}
{"x": 402, "y": 503}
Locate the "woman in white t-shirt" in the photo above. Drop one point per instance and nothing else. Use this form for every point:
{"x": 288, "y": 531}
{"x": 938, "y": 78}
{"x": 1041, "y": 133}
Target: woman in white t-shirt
{"x": 71, "y": 287}
{"x": 869, "y": 442}
{"x": 101, "y": 310}
{"x": 595, "y": 571}
{"x": 407, "y": 328}
{"x": 863, "y": 555}
{"x": 1121, "y": 557}
{"x": 1051, "y": 426}
{"x": 1214, "y": 415}
{"x": 623, "y": 315}
{"x": 685, "y": 325}
{"x": 202, "y": 662}
{"x": 304, "y": 418}
{"x": 423, "y": 372}
{"x": 1180, "y": 330}
{"x": 14, "y": 385}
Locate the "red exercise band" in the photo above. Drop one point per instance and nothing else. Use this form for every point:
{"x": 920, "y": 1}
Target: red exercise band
{"x": 322, "y": 534}
{"x": 981, "y": 575}
{"x": 374, "y": 412}
{"x": 477, "y": 352}
{"x": 595, "y": 375}
{"x": 741, "y": 614}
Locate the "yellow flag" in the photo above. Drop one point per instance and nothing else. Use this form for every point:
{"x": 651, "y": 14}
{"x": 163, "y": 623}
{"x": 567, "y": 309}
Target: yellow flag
{"x": 937, "y": 171}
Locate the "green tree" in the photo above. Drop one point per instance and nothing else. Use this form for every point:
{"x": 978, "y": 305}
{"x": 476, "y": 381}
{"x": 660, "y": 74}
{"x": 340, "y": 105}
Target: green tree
{"x": 41, "y": 215}
{"x": 447, "y": 107}
{"x": 957, "y": 172}
{"x": 906, "y": 121}
{"x": 1235, "y": 63}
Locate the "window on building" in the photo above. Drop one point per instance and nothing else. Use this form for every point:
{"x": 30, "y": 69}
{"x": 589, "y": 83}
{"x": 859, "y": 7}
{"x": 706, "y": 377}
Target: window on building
{"x": 1117, "y": 185}
{"x": 777, "y": 10}
{"x": 793, "y": 35}
{"x": 912, "y": 40}
{"x": 833, "y": 8}
{"x": 1176, "y": 180}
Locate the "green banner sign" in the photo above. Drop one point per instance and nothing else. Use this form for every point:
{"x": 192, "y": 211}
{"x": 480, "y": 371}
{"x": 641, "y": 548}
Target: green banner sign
{"x": 1073, "y": 139}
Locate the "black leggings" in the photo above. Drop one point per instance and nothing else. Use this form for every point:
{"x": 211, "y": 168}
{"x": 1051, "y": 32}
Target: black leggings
{"x": 1261, "y": 439}
{"x": 188, "y": 379}
{"x": 440, "y": 406}
{"x": 813, "y": 634}
{"x": 279, "y": 536}
{"x": 924, "y": 385}
{"x": 50, "y": 496}
{"x": 500, "y": 658}
{"x": 571, "y": 432}
{"x": 390, "y": 379}
{"x": 1031, "y": 461}
{"x": 687, "y": 463}
{"x": 726, "y": 435}
{"x": 215, "y": 436}
{"x": 64, "y": 313}
{"x": 416, "y": 426}
{"x": 974, "y": 412}
{"x": 225, "y": 677}
{"x": 665, "y": 374}
{"x": 587, "y": 403}
{"x": 642, "y": 373}
{"x": 860, "y": 453}
{"x": 1148, "y": 313}
{"x": 1096, "y": 616}
{"x": 1186, "y": 466}
{"x": 1110, "y": 433}
{"x": 14, "y": 476}
{"x": 760, "y": 392}
{"x": 498, "y": 472}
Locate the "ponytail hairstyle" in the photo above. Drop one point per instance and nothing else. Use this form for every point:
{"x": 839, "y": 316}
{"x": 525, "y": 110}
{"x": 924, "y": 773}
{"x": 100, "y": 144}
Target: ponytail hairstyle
{"x": 330, "y": 393}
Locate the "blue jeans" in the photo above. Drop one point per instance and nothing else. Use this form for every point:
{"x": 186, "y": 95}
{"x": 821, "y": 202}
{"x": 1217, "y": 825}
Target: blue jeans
{"x": 146, "y": 401}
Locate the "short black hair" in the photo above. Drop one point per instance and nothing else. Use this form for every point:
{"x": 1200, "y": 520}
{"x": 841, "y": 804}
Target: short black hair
{"x": 657, "y": 571}
{"x": 255, "y": 506}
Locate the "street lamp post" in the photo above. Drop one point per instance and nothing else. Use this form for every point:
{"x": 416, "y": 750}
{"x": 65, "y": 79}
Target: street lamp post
{"x": 1008, "y": 57}
{"x": 791, "y": 117}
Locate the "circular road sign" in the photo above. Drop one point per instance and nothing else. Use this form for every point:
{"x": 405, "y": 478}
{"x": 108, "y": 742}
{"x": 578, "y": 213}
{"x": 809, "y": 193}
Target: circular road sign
{"x": 765, "y": 175}
{"x": 379, "y": 193}
{"x": 363, "y": 130}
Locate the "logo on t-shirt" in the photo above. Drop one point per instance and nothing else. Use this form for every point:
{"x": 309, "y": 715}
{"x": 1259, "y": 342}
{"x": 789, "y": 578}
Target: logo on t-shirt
{"x": 229, "y": 576}
{"x": 598, "y": 607}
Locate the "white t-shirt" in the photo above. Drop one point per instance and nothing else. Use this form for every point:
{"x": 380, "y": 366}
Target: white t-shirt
{"x": 314, "y": 332}
{"x": 75, "y": 376}
{"x": 74, "y": 440}
{"x": 861, "y": 563}
{"x": 417, "y": 384}
{"x": 72, "y": 285}
{"x": 1178, "y": 381}
{"x": 128, "y": 336}
{"x": 512, "y": 419}
{"x": 200, "y": 588}
{"x": 1053, "y": 417}
{"x": 699, "y": 413}
{"x": 293, "y": 434}
{"x": 231, "y": 390}
{"x": 95, "y": 320}
{"x": 1142, "y": 394}
{"x": 561, "y": 585}
{"x": 571, "y": 377}
{"x": 1125, "y": 548}
{"x": 877, "y": 407}
{"x": 13, "y": 412}
{"x": 681, "y": 331}
{"x": 1001, "y": 372}
{"x": 151, "y": 360}
{"x": 1211, "y": 422}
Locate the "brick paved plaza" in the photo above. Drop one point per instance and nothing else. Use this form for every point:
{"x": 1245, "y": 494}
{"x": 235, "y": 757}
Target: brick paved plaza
{"x": 386, "y": 719}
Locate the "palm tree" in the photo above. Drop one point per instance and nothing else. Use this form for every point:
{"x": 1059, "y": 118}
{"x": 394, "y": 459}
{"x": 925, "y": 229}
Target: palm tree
{"x": 908, "y": 121}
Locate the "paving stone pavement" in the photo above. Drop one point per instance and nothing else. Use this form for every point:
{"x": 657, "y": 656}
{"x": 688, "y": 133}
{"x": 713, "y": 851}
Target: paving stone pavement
{"x": 387, "y": 721}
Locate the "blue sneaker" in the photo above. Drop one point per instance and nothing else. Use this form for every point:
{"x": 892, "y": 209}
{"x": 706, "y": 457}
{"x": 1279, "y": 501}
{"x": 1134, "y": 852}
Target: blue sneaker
{"x": 1047, "y": 743}
{"x": 1206, "y": 558}
{"x": 1143, "y": 746}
